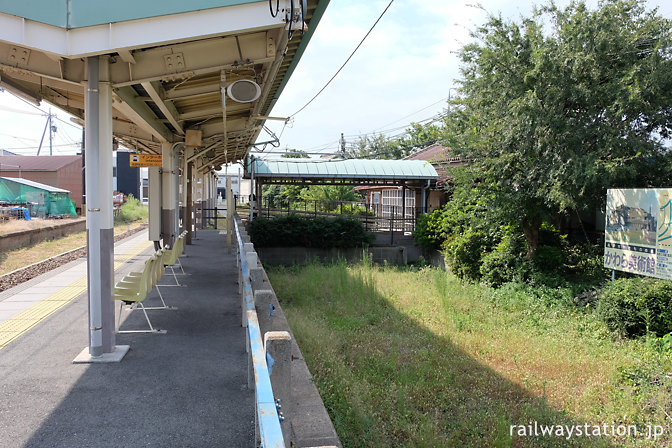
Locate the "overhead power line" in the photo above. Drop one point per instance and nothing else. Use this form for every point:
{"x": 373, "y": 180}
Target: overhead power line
{"x": 346, "y": 61}
{"x": 410, "y": 115}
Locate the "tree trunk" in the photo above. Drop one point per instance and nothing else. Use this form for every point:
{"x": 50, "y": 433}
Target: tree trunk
{"x": 531, "y": 227}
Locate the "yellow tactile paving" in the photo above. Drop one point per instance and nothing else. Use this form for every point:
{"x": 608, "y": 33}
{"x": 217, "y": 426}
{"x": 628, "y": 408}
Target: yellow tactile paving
{"x": 7, "y": 337}
{"x": 65, "y": 294}
{"x": 27, "y": 319}
{"x": 79, "y": 283}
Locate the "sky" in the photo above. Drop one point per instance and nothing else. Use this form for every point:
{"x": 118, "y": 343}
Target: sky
{"x": 404, "y": 72}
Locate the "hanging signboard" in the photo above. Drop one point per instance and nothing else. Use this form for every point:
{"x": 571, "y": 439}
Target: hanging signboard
{"x": 142, "y": 160}
{"x": 638, "y": 231}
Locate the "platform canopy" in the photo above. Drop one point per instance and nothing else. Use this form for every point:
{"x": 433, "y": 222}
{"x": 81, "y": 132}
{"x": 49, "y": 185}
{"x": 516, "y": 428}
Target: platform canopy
{"x": 343, "y": 172}
{"x": 170, "y": 64}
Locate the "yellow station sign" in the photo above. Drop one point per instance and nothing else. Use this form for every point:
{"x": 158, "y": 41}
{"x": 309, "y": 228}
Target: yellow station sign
{"x": 142, "y": 160}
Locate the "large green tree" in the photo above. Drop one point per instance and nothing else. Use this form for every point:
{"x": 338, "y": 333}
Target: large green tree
{"x": 414, "y": 138}
{"x": 567, "y": 103}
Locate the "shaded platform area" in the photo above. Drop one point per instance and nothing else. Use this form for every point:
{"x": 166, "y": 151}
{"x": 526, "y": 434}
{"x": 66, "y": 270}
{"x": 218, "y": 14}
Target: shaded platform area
{"x": 184, "y": 388}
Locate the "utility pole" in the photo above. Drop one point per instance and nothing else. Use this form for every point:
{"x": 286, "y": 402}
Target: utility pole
{"x": 52, "y": 129}
{"x": 46, "y": 126}
{"x": 342, "y": 142}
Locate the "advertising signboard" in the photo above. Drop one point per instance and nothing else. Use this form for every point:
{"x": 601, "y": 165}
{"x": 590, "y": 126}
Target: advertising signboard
{"x": 638, "y": 231}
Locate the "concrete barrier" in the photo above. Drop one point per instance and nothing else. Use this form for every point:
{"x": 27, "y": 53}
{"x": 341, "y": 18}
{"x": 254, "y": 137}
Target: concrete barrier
{"x": 305, "y": 421}
{"x": 16, "y": 240}
{"x": 264, "y": 302}
{"x": 278, "y": 346}
{"x": 309, "y": 422}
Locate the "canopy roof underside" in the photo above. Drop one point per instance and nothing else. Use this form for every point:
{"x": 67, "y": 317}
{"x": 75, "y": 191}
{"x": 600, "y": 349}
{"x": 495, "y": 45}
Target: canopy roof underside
{"x": 167, "y": 72}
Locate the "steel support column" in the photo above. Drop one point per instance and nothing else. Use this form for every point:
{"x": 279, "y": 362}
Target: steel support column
{"x": 176, "y": 182}
{"x": 169, "y": 194}
{"x": 252, "y": 188}
{"x": 188, "y": 151}
{"x": 230, "y": 204}
{"x": 154, "y": 193}
{"x": 99, "y": 217}
{"x": 189, "y": 223}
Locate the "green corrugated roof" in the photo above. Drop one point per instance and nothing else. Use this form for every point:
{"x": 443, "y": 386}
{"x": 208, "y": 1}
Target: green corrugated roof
{"x": 345, "y": 169}
{"x": 34, "y": 184}
{"x": 80, "y": 13}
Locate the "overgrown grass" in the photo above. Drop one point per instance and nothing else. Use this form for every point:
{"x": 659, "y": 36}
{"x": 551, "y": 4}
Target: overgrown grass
{"x": 415, "y": 358}
{"x": 132, "y": 210}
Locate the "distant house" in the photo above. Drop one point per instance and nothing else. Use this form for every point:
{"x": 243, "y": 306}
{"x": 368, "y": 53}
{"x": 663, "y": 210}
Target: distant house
{"x": 387, "y": 201}
{"x": 441, "y": 157}
{"x": 63, "y": 172}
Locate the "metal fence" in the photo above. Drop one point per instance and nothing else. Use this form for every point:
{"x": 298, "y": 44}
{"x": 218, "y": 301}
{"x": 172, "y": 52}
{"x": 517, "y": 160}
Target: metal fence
{"x": 267, "y": 417}
{"x": 375, "y": 217}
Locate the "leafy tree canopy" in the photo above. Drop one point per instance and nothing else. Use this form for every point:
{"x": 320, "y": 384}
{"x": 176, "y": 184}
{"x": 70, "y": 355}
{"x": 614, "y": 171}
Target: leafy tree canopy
{"x": 378, "y": 146}
{"x": 561, "y": 105}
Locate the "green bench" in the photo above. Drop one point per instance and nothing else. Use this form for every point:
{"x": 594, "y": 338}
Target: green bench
{"x": 132, "y": 290}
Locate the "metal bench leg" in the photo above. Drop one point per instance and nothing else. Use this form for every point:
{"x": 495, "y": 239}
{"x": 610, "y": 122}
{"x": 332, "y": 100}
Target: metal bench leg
{"x": 151, "y": 328}
{"x": 164, "y": 307}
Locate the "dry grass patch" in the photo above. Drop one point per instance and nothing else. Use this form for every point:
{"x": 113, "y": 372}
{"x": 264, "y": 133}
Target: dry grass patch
{"x": 19, "y": 225}
{"x": 25, "y": 256}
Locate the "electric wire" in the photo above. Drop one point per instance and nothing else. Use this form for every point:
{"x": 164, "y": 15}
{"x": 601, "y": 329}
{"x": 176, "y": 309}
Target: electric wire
{"x": 346, "y": 61}
{"x": 72, "y": 125}
{"x": 42, "y": 112}
{"x": 277, "y": 7}
{"x": 17, "y": 111}
{"x": 290, "y": 32}
{"x": 411, "y": 114}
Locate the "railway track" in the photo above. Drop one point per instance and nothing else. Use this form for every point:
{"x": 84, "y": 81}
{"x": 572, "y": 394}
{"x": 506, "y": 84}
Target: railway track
{"x": 24, "y": 274}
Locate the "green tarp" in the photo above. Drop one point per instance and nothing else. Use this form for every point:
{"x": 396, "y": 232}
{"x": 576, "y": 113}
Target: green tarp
{"x": 43, "y": 200}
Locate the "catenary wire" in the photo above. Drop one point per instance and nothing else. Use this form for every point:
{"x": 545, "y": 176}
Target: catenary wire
{"x": 346, "y": 61}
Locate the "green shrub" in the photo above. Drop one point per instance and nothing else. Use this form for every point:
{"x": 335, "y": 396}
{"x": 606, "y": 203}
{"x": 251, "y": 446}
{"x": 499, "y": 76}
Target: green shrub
{"x": 132, "y": 210}
{"x": 306, "y": 231}
{"x": 464, "y": 252}
{"x": 506, "y": 262}
{"x": 585, "y": 263}
{"x": 430, "y": 230}
{"x": 634, "y": 306}
{"x": 352, "y": 209}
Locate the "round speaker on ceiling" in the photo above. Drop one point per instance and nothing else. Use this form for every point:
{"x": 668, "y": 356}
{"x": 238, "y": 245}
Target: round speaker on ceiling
{"x": 243, "y": 91}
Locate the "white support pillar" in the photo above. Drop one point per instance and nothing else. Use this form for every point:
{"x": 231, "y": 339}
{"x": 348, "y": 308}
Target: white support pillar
{"x": 155, "y": 203}
{"x": 213, "y": 189}
{"x": 208, "y": 192}
{"x": 213, "y": 193}
{"x": 230, "y": 204}
{"x": 211, "y": 184}
{"x": 183, "y": 186}
{"x": 206, "y": 198}
{"x": 252, "y": 188}
{"x": 176, "y": 180}
{"x": 99, "y": 216}
{"x": 208, "y": 176}
{"x": 169, "y": 194}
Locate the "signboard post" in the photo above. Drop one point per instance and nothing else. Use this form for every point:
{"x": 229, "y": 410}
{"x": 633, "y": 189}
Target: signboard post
{"x": 638, "y": 232}
{"x": 144, "y": 160}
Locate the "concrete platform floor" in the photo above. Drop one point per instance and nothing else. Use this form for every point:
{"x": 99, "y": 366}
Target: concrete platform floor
{"x": 186, "y": 388}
